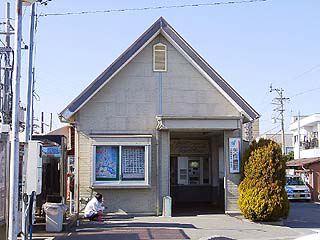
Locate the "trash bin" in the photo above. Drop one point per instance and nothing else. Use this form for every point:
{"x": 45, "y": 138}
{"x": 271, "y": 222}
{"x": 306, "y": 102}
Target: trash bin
{"x": 54, "y": 216}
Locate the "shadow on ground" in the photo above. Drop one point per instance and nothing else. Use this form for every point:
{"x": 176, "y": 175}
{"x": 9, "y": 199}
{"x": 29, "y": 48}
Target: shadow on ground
{"x": 221, "y": 238}
{"x": 195, "y": 209}
{"x": 132, "y": 234}
{"x": 303, "y": 215}
{"x": 102, "y": 226}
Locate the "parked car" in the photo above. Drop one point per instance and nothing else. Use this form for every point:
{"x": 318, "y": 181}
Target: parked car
{"x": 296, "y": 188}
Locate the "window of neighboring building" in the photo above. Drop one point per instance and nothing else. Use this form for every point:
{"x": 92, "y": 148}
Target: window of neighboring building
{"x": 120, "y": 164}
{"x": 289, "y": 150}
{"x": 160, "y": 57}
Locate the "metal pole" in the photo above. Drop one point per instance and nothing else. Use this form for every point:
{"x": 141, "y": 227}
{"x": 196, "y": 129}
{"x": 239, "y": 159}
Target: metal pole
{"x": 14, "y": 157}
{"x": 32, "y": 104}
{"x": 28, "y": 115}
{"x": 7, "y": 80}
{"x": 282, "y": 124}
{"x": 6, "y": 110}
{"x": 299, "y": 135}
{"x": 8, "y": 24}
{"x": 42, "y": 122}
{"x": 30, "y": 73}
{"x": 50, "y": 122}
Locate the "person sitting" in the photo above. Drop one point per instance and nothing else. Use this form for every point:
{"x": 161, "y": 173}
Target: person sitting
{"x": 94, "y": 208}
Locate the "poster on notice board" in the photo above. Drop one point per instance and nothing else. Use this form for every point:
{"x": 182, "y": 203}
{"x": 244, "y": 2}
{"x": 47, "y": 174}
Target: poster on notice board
{"x": 234, "y": 154}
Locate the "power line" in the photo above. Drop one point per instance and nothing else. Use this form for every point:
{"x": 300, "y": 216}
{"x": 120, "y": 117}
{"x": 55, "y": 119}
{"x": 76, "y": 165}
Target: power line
{"x": 153, "y": 8}
{"x": 270, "y": 130}
{"x": 301, "y": 74}
{"x": 275, "y": 134}
{"x": 306, "y": 72}
{"x": 306, "y": 91}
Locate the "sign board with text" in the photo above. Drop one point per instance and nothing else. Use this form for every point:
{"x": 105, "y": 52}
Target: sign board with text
{"x": 234, "y": 154}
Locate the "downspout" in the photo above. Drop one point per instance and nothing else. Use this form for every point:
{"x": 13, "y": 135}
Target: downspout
{"x": 157, "y": 173}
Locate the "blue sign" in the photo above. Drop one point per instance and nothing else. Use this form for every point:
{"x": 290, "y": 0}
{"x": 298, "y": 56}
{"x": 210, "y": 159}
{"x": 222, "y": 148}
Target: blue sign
{"x": 52, "y": 151}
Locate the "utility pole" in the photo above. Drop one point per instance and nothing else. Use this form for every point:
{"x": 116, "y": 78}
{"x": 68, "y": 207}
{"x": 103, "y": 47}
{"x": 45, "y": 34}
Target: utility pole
{"x": 50, "y": 122}
{"x": 32, "y": 104}
{"x": 279, "y": 102}
{"x": 30, "y": 73}
{"x": 28, "y": 117}
{"x": 299, "y": 140}
{"x": 14, "y": 157}
{"x": 42, "y": 122}
{"x": 6, "y": 67}
{"x": 6, "y": 55}
{"x": 7, "y": 81}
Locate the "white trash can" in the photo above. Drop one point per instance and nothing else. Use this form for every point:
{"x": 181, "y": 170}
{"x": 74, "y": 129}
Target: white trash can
{"x": 54, "y": 216}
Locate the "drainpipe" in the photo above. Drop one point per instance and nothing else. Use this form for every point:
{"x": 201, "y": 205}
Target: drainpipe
{"x": 157, "y": 173}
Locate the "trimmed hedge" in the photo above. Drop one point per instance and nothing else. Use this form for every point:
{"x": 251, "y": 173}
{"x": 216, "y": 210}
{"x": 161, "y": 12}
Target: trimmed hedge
{"x": 262, "y": 193}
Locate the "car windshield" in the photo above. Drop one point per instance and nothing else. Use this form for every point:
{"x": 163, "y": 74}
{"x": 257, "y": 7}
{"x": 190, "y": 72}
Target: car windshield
{"x": 294, "y": 181}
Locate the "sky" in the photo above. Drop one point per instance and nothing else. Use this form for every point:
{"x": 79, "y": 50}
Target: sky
{"x": 250, "y": 45}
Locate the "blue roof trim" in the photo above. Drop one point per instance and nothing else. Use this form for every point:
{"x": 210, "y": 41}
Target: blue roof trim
{"x": 124, "y": 57}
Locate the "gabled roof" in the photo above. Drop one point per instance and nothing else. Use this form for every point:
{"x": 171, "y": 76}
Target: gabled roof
{"x": 161, "y": 26}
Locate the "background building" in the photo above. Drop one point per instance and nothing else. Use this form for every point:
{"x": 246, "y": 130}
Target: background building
{"x": 307, "y": 144}
{"x": 277, "y": 137}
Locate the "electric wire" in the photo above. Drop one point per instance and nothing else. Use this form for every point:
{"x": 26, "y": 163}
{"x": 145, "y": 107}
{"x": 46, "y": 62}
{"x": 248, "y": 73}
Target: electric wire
{"x": 306, "y": 91}
{"x": 270, "y": 130}
{"x": 153, "y": 8}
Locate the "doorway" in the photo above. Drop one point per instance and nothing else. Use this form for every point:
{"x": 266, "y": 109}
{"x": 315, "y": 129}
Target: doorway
{"x": 195, "y": 179}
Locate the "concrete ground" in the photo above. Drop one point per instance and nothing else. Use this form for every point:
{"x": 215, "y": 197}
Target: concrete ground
{"x": 303, "y": 220}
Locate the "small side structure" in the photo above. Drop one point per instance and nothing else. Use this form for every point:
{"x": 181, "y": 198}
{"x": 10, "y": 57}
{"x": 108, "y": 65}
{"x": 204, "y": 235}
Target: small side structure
{"x": 159, "y": 121}
{"x": 54, "y": 167}
{"x": 309, "y": 170}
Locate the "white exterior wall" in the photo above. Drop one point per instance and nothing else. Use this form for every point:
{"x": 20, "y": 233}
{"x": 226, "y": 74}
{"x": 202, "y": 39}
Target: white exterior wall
{"x": 129, "y": 103}
{"x": 308, "y": 125}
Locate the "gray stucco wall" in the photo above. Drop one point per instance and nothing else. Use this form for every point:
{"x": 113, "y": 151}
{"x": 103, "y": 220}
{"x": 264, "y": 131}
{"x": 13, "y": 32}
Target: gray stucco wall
{"x": 232, "y": 179}
{"x": 129, "y": 102}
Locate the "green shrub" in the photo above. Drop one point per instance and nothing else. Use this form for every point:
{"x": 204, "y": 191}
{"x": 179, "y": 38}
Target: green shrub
{"x": 262, "y": 194}
{"x": 253, "y": 146}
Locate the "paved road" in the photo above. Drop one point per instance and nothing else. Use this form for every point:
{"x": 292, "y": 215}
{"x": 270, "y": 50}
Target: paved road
{"x": 304, "y": 215}
{"x": 303, "y": 218}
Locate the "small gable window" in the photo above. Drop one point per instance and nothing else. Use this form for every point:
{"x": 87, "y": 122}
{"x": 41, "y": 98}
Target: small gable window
{"x": 159, "y": 57}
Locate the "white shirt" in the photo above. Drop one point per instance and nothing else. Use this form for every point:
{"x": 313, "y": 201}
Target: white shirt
{"x": 93, "y": 207}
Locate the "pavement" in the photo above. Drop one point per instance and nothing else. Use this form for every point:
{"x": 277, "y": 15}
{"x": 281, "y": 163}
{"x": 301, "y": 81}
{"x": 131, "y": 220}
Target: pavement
{"x": 303, "y": 220}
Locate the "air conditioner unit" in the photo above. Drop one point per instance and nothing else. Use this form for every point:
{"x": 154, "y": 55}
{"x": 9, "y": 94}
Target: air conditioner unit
{"x": 33, "y": 165}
